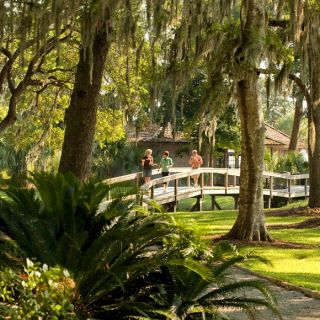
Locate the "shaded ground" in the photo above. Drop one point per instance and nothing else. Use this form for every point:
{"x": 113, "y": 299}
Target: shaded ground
{"x": 301, "y": 211}
{"x": 293, "y": 305}
{"x": 309, "y": 223}
{"x": 313, "y": 222}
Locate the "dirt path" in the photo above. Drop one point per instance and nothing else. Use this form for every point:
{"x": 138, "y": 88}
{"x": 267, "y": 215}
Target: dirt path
{"x": 293, "y": 305}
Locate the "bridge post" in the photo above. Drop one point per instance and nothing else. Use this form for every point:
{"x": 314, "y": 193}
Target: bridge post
{"x": 200, "y": 202}
{"x": 211, "y": 179}
{"x": 236, "y": 202}
{"x": 226, "y": 182}
{"x": 234, "y": 180}
{"x": 137, "y": 180}
{"x": 175, "y": 188}
{"x": 289, "y": 188}
{"x": 188, "y": 182}
{"x": 268, "y": 202}
{"x": 202, "y": 184}
{"x": 213, "y": 202}
{"x": 271, "y": 187}
{"x": 306, "y": 188}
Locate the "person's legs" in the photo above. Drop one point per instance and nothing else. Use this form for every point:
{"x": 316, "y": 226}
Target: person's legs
{"x": 195, "y": 181}
{"x": 165, "y": 184}
{"x": 195, "y": 178}
{"x": 147, "y": 173}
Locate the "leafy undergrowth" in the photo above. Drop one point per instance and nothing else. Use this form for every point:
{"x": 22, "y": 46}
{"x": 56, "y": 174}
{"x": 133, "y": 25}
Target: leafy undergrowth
{"x": 298, "y": 266}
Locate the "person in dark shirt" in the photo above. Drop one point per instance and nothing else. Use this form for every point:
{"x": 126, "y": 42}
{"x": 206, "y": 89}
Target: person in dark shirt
{"x": 147, "y": 164}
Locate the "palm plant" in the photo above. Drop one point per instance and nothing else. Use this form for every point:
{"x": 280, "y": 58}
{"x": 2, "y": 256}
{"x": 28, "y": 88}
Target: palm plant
{"x": 188, "y": 295}
{"x": 13, "y": 161}
{"x": 126, "y": 262}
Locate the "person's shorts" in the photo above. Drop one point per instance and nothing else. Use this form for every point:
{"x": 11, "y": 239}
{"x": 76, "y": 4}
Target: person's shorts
{"x": 165, "y": 174}
{"x": 147, "y": 172}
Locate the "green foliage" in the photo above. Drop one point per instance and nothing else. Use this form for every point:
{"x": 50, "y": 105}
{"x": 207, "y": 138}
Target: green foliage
{"x": 191, "y": 296}
{"x": 290, "y": 162}
{"x": 109, "y": 128}
{"x": 125, "y": 262}
{"x": 228, "y": 131}
{"x": 297, "y": 266}
{"x": 276, "y": 43}
{"x": 13, "y": 162}
{"x": 37, "y": 292}
{"x": 116, "y": 158}
{"x": 284, "y": 123}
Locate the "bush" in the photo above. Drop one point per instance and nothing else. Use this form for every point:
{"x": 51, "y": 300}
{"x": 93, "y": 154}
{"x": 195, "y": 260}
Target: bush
{"x": 127, "y": 263}
{"x": 38, "y": 292}
{"x": 290, "y": 162}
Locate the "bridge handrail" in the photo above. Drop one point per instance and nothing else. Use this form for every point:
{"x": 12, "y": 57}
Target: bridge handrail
{"x": 184, "y": 172}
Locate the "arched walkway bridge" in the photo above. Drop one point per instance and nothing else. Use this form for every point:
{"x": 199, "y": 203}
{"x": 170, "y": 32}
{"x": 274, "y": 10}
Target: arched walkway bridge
{"x": 213, "y": 182}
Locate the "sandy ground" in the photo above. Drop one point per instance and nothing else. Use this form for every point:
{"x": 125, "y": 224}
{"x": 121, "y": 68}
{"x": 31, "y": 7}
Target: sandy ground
{"x": 293, "y": 305}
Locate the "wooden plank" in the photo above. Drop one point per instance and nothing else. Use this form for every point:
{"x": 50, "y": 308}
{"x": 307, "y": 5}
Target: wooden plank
{"x": 183, "y": 192}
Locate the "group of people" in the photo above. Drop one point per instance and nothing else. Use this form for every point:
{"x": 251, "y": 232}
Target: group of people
{"x": 165, "y": 164}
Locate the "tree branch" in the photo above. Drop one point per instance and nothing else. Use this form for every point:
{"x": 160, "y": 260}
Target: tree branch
{"x": 302, "y": 88}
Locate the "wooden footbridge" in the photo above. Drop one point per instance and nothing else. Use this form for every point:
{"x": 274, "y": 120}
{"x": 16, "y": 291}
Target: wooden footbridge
{"x": 213, "y": 182}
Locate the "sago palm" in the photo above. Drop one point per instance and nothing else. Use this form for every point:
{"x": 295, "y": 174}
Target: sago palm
{"x": 126, "y": 262}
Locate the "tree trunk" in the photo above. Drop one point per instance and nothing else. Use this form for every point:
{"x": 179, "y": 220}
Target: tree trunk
{"x": 212, "y": 139}
{"x": 250, "y": 221}
{"x": 81, "y": 115}
{"x": 296, "y": 123}
{"x": 313, "y": 19}
{"x": 250, "y": 224}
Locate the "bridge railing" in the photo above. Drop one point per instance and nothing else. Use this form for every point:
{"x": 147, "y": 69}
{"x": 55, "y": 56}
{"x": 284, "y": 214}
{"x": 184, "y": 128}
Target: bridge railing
{"x": 207, "y": 178}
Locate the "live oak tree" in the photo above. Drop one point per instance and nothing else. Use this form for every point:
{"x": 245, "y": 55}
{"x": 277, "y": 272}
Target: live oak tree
{"x": 305, "y": 21}
{"x": 312, "y": 22}
{"x": 250, "y": 223}
{"x": 242, "y": 68}
{"x": 102, "y": 24}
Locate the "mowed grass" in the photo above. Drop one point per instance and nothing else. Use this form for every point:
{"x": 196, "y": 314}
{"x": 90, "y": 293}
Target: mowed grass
{"x": 297, "y": 266}
{"x": 220, "y": 221}
{"x": 225, "y": 202}
{"x": 300, "y": 267}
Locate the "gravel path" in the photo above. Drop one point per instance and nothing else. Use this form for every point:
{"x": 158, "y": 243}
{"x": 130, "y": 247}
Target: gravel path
{"x": 293, "y": 305}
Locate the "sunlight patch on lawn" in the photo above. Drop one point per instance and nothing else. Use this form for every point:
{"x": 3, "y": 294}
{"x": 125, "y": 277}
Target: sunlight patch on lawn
{"x": 309, "y": 236}
{"x": 296, "y": 266}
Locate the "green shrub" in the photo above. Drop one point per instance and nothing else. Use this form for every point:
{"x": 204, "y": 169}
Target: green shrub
{"x": 37, "y": 292}
{"x": 290, "y": 162}
{"x": 127, "y": 262}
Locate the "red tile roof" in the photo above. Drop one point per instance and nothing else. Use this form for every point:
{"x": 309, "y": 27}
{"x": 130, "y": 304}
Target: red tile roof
{"x": 274, "y": 136}
{"x": 153, "y": 132}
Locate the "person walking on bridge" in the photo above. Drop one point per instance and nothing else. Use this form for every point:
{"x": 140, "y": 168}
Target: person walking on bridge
{"x": 195, "y": 163}
{"x": 147, "y": 165}
{"x": 165, "y": 163}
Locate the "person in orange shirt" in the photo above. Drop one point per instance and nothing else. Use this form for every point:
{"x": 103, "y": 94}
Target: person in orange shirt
{"x": 195, "y": 163}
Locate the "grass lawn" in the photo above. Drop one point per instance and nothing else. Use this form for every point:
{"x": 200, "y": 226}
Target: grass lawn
{"x": 220, "y": 221}
{"x": 225, "y": 202}
{"x": 297, "y": 266}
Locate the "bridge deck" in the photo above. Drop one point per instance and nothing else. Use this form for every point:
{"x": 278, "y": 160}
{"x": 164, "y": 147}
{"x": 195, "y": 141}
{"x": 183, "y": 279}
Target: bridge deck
{"x": 185, "y": 192}
{"x": 214, "y": 181}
